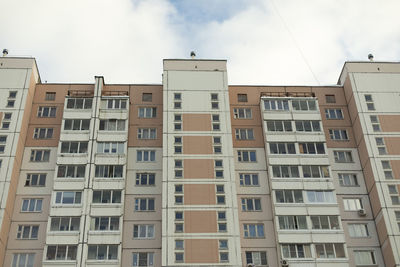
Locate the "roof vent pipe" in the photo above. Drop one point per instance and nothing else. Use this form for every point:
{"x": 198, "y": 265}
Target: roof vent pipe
{"x": 192, "y": 54}
{"x": 5, "y": 52}
{"x": 371, "y": 57}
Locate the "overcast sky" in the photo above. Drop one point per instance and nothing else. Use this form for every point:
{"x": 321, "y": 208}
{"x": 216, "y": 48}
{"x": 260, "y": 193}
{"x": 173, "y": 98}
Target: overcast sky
{"x": 268, "y": 42}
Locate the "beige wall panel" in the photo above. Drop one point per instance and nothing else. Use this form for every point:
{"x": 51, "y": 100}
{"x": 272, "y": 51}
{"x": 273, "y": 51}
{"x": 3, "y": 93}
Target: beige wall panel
{"x": 135, "y": 142}
{"x": 363, "y": 152}
{"x": 31, "y": 216}
{"x": 340, "y": 144}
{"x": 347, "y": 88}
{"x": 338, "y": 92}
{"x": 198, "y": 168}
{"x": 387, "y": 253}
{"x": 258, "y": 137}
{"x": 368, "y": 175}
{"x": 197, "y": 145}
{"x": 61, "y": 91}
{"x": 201, "y": 250}
{"x": 126, "y": 258}
{"x": 46, "y": 121}
{"x": 30, "y": 141}
{"x": 199, "y": 194}
{"x": 115, "y": 89}
{"x": 392, "y": 145}
{"x": 353, "y": 111}
{"x": 255, "y": 119}
{"x": 381, "y": 229}
{"x": 196, "y": 122}
{"x": 395, "y": 168}
{"x": 14, "y": 243}
{"x": 375, "y": 202}
{"x": 37, "y": 261}
{"x": 345, "y": 122}
{"x": 204, "y": 221}
{"x": 389, "y": 123}
{"x": 267, "y": 241}
{"x": 357, "y": 130}
{"x": 136, "y": 92}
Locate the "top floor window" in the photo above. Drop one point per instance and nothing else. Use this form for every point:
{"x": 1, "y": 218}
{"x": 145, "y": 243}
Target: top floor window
{"x": 302, "y": 104}
{"x": 147, "y": 97}
{"x": 330, "y": 99}
{"x": 114, "y": 103}
{"x": 276, "y": 104}
{"x": 242, "y": 97}
{"x": 12, "y": 94}
{"x": 50, "y": 96}
{"x": 79, "y": 103}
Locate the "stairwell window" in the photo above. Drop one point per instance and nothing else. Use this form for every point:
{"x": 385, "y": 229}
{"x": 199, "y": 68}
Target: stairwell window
{"x": 343, "y": 156}
{"x": 23, "y": 259}
{"x": 357, "y": 230}
{"x": 32, "y": 205}
{"x": 147, "y": 133}
{"x": 27, "y": 232}
{"x": 143, "y": 231}
{"x": 251, "y": 204}
{"x": 244, "y": 134}
{"x": 47, "y": 112}
{"x": 246, "y": 156}
{"x": 352, "y": 204}
{"x": 364, "y": 257}
{"x": 348, "y": 179}
{"x": 43, "y": 133}
{"x": 253, "y": 230}
{"x": 143, "y": 259}
{"x": 146, "y": 156}
{"x": 35, "y": 179}
{"x": 333, "y": 114}
{"x": 145, "y": 179}
{"x": 249, "y": 179}
{"x": 338, "y": 135}
{"x": 144, "y": 204}
{"x": 147, "y": 112}
{"x": 242, "y": 113}
{"x": 258, "y": 258}
{"x": 40, "y": 155}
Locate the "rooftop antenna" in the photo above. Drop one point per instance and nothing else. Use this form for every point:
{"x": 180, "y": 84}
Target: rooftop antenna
{"x": 371, "y": 57}
{"x": 192, "y": 54}
{"x": 5, "y": 52}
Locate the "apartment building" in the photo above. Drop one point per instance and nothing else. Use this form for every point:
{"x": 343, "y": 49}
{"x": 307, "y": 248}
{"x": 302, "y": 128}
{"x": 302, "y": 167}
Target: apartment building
{"x": 196, "y": 172}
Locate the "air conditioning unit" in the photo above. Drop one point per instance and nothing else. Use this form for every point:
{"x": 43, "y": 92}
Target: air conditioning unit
{"x": 250, "y": 265}
{"x": 284, "y": 263}
{"x": 361, "y": 212}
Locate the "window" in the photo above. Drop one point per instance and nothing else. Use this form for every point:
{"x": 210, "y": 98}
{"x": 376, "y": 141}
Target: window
{"x": 47, "y": 112}
{"x": 145, "y": 179}
{"x": 146, "y": 133}
{"x": 343, "y": 156}
{"x": 324, "y": 222}
{"x": 112, "y": 125}
{"x": 214, "y": 101}
{"x": 32, "y": 205}
{"x": 146, "y": 156}
{"x": 147, "y": 112}
{"x": 329, "y": 250}
{"x": 370, "y": 102}
{"x": 282, "y": 148}
{"x": 394, "y": 194}
{"x": 253, "y": 230}
{"x": 177, "y": 100}
{"x": 290, "y": 222}
{"x": 308, "y": 126}
{"x": 68, "y": 197}
{"x": 279, "y": 126}
{"x": 358, "y": 230}
{"x": 178, "y": 227}
{"x": 215, "y": 125}
{"x": 10, "y": 103}
{"x": 12, "y": 94}
{"x": 242, "y": 113}
{"x": 311, "y": 148}
{"x": 304, "y": 105}
{"x": 76, "y": 125}
{"x": 179, "y": 257}
{"x": 352, "y": 204}
{"x": 71, "y": 171}
{"x": 223, "y": 244}
{"x": 110, "y": 148}
{"x": 102, "y": 252}
{"x": 74, "y": 147}
{"x": 380, "y": 143}
{"x": 179, "y": 244}
{"x": 320, "y": 197}
{"x": 387, "y": 169}
{"x": 251, "y": 204}
{"x": 79, "y": 103}
{"x": 7, "y": 116}
{"x": 223, "y": 257}
{"x": 242, "y": 97}
{"x": 144, "y": 204}
{"x": 43, "y": 133}
{"x": 114, "y": 103}
{"x": 222, "y": 227}
{"x": 315, "y": 171}
{"x": 27, "y": 231}
{"x": 178, "y": 168}
{"x": 364, "y": 257}
{"x": 107, "y": 196}
{"x": 285, "y": 171}
{"x": 109, "y": 171}
{"x": 220, "y": 190}
{"x": 375, "y": 123}
{"x": 35, "y": 179}
{"x": 219, "y": 171}
{"x": 221, "y": 215}
{"x": 296, "y": 251}
{"x": 348, "y": 179}
{"x": 338, "y": 135}
{"x": 143, "y": 231}
{"x": 5, "y": 125}
{"x": 246, "y": 156}
{"x": 244, "y": 134}
{"x": 333, "y": 114}
{"x": 330, "y": 99}
{"x": 23, "y": 260}
{"x": 178, "y": 215}
{"x": 276, "y": 104}
{"x": 65, "y": 223}
{"x": 50, "y": 96}
{"x": 104, "y": 224}
{"x": 147, "y": 97}
{"x": 143, "y": 259}
{"x": 256, "y": 257}
{"x": 61, "y": 252}
{"x": 249, "y": 179}
{"x": 217, "y": 145}
{"x": 397, "y": 215}
{"x": 289, "y": 196}
{"x": 3, "y": 140}
{"x": 40, "y": 155}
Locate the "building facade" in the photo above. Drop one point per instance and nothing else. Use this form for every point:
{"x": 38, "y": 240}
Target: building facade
{"x": 196, "y": 172}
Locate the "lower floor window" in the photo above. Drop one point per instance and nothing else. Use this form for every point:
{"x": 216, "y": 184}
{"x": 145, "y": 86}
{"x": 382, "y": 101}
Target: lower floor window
{"x": 329, "y": 250}
{"x": 143, "y": 259}
{"x": 23, "y": 260}
{"x": 61, "y": 252}
{"x": 296, "y": 251}
{"x": 256, "y": 257}
{"x": 103, "y": 252}
{"x": 364, "y": 257}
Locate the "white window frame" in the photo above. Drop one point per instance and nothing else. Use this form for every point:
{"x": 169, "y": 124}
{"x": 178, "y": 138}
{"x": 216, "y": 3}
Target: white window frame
{"x": 244, "y": 134}
{"x": 146, "y": 156}
{"x": 76, "y": 124}
{"x": 147, "y": 204}
{"x": 348, "y": 179}
{"x": 107, "y": 255}
{"x": 276, "y": 104}
{"x": 43, "y": 133}
{"x": 36, "y": 179}
{"x": 146, "y": 133}
{"x": 242, "y": 113}
{"x": 343, "y": 156}
{"x": 285, "y": 171}
{"x": 259, "y": 231}
{"x": 32, "y": 205}
{"x": 323, "y": 171}
{"x": 28, "y": 232}
{"x": 23, "y": 259}
{"x": 147, "y": 112}
{"x": 79, "y": 103}
{"x": 334, "y": 114}
{"x": 40, "y": 155}
{"x": 304, "y": 104}
{"x": 47, "y": 112}
{"x": 338, "y": 135}
{"x": 249, "y": 179}
{"x": 352, "y": 204}
{"x": 67, "y": 170}
{"x": 251, "y": 204}
{"x": 149, "y": 258}
{"x": 246, "y": 156}
{"x": 358, "y": 230}
{"x": 147, "y": 229}
{"x": 307, "y": 126}
{"x": 59, "y": 197}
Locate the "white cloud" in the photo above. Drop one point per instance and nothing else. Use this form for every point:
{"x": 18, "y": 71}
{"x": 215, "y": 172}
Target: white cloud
{"x": 126, "y": 40}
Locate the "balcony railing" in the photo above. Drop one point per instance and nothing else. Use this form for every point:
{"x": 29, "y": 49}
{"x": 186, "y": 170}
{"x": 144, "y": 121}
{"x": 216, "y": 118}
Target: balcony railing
{"x": 288, "y": 94}
{"x": 80, "y": 93}
{"x": 115, "y": 93}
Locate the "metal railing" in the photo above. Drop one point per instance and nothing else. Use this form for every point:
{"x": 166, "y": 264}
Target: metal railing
{"x": 80, "y": 93}
{"x": 115, "y": 93}
{"x": 287, "y": 94}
